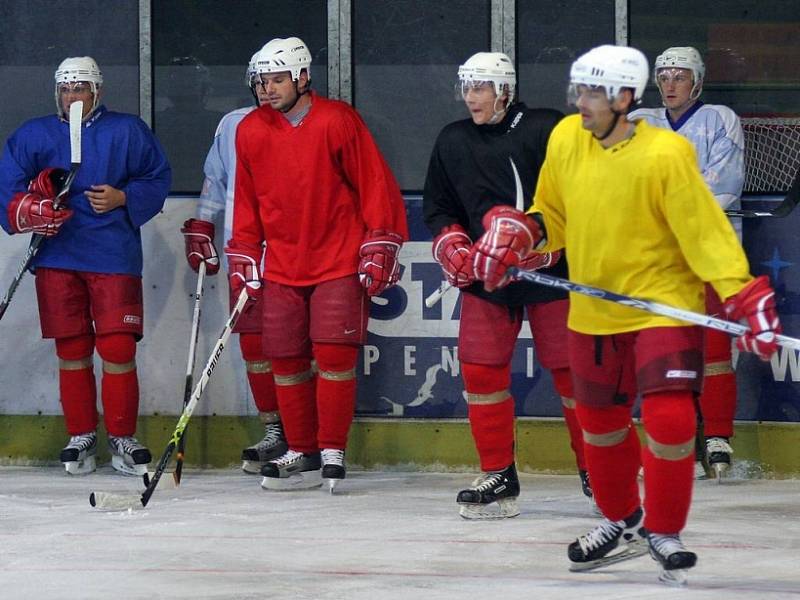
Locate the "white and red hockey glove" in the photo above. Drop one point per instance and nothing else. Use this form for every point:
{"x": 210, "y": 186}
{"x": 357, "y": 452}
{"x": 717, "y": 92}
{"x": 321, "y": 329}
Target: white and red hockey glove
{"x": 451, "y": 250}
{"x": 244, "y": 270}
{"x": 48, "y": 182}
{"x": 198, "y": 236}
{"x": 755, "y": 305}
{"x": 510, "y": 237}
{"x": 539, "y": 260}
{"x": 379, "y": 268}
{"x": 30, "y": 212}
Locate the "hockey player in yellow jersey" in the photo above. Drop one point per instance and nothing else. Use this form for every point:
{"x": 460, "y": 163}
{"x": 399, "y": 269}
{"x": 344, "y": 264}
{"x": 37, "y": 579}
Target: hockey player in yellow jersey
{"x": 628, "y": 202}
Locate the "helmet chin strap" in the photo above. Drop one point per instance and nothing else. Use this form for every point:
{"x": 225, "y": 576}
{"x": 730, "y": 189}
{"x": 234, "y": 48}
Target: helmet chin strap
{"x": 498, "y": 114}
{"x": 611, "y": 128}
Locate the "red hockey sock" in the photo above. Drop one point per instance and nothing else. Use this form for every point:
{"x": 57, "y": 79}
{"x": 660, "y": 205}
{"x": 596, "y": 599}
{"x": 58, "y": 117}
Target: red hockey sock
{"x": 336, "y": 392}
{"x": 120, "y": 385}
{"x": 491, "y": 413}
{"x": 562, "y": 380}
{"x": 259, "y": 372}
{"x": 76, "y": 383}
{"x": 294, "y": 386}
{"x": 613, "y": 469}
{"x": 718, "y": 400}
{"x": 669, "y": 421}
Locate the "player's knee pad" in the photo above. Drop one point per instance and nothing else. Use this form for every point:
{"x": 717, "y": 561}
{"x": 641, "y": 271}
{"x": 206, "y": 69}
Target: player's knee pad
{"x": 486, "y": 384}
{"x": 118, "y": 351}
{"x": 292, "y": 371}
{"x": 606, "y": 426}
{"x": 716, "y": 347}
{"x": 335, "y": 362}
{"x": 670, "y": 423}
{"x": 75, "y": 348}
{"x": 562, "y": 381}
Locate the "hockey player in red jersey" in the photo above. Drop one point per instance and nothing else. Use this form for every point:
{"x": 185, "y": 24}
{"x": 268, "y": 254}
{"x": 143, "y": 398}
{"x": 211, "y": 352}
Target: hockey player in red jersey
{"x": 473, "y": 167}
{"x": 312, "y": 185}
{"x": 217, "y": 197}
{"x": 629, "y": 204}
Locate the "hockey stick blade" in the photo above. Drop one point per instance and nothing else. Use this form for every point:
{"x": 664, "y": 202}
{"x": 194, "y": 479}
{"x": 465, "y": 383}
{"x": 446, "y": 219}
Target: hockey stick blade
{"x": 187, "y": 389}
{"x": 110, "y": 501}
{"x": 784, "y": 209}
{"x": 664, "y": 310}
{"x": 75, "y": 121}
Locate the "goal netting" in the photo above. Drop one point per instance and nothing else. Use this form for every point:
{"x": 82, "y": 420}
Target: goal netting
{"x": 771, "y": 155}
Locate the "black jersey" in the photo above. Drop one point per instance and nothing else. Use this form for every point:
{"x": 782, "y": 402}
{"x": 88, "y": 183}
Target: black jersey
{"x": 470, "y": 172}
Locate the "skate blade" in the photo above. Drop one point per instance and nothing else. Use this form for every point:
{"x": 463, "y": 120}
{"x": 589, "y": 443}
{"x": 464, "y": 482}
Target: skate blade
{"x": 252, "y": 467}
{"x": 121, "y": 466}
{"x": 81, "y": 467}
{"x": 720, "y": 469}
{"x": 297, "y": 481}
{"x": 674, "y": 577}
{"x": 332, "y": 483}
{"x": 633, "y": 550}
{"x": 502, "y": 509}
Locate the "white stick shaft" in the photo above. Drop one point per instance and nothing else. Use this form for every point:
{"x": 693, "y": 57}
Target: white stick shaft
{"x": 434, "y": 298}
{"x": 75, "y": 123}
{"x": 198, "y": 295}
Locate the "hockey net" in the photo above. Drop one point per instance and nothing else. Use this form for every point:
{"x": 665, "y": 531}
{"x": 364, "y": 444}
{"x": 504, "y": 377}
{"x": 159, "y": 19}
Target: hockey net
{"x": 772, "y": 154}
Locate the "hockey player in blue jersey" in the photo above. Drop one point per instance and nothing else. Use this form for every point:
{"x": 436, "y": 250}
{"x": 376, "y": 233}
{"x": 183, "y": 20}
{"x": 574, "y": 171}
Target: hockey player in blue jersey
{"x": 716, "y": 133}
{"x": 217, "y": 197}
{"x": 89, "y": 270}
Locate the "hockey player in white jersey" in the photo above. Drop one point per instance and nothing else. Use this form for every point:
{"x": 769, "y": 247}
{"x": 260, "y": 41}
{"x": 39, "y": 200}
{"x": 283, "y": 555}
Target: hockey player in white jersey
{"x": 216, "y": 197}
{"x": 716, "y": 133}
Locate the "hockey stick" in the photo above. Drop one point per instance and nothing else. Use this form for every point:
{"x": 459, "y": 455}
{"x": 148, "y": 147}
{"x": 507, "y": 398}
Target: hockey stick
{"x": 187, "y": 388}
{"x": 437, "y": 294}
{"x": 110, "y": 501}
{"x": 664, "y": 310}
{"x": 782, "y": 210}
{"x": 75, "y": 118}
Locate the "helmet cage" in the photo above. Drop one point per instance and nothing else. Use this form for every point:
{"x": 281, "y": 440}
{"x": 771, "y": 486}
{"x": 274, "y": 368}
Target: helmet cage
{"x": 78, "y": 69}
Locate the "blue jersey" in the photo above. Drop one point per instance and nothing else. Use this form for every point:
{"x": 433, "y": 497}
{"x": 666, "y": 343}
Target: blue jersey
{"x": 220, "y": 171}
{"x": 117, "y": 149}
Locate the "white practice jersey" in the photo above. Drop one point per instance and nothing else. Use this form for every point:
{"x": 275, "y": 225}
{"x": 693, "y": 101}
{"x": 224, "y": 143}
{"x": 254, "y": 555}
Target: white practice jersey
{"x": 717, "y": 136}
{"x": 220, "y": 172}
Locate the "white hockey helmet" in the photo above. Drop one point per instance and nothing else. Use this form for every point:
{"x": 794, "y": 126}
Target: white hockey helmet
{"x": 612, "y": 67}
{"x": 495, "y": 67}
{"x": 251, "y": 71}
{"x": 78, "y": 68}
{"x": 284, "y": 54}
{"x": 682, "y": 57}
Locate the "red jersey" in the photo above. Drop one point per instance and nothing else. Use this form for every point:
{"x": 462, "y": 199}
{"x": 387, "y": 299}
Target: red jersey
{"x": 312, "y": 191}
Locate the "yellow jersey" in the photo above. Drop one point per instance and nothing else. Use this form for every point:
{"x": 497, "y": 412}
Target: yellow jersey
{"x": 636, "y": 219}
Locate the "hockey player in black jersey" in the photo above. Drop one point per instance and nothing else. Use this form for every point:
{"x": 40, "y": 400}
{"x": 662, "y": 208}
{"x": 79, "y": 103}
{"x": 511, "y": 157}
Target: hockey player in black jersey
{"x": 474, "y": 167}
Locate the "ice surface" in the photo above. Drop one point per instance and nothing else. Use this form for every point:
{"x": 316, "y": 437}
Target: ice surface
{"x": 383, "y": 535}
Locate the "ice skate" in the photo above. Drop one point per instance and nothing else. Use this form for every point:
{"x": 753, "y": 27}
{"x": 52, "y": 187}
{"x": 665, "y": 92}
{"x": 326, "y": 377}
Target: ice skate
{"x": 272, "y": 446}
{"x": 586, "y": 488}
{"x": 292, "y": 471}
{"x": 333, "y": 470}
{"x": 674, "y": 558}
{"x": 719, "y": 453}
{"x": 491, "y": 496}
{"x": 608, "y": 543}
{"x": 79, "y": 455}
{"x": 128, "y": 456}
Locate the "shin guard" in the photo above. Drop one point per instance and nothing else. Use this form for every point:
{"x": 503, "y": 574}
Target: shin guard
{"x": 259, "y": 372}
{"x": 718, "y": 400}
{"x": 669, "y": 422}
{"x": 491, "y": 413}
{"x": 336, "y": 392}
{"x": 562, "y": 379}
{"x": 294, "y": 386}
{"x": 76, "y": 383}
{"x": 613, "y": 457}
{"x": 120, "y": 384}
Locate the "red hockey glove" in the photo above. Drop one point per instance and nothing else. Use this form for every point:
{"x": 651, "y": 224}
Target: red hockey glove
{"x": 244, "y": 270}
{"x": 539, "y": 260}
{"x": 755, "y": 304}
{"x": 451, "y": 250}
{"x": 379, "y": 268}
{"x": 48, "y": 182}
{"x": 199, "y": 240}
{"x": 510, "y": 237}
{"x": 30, "y": 212}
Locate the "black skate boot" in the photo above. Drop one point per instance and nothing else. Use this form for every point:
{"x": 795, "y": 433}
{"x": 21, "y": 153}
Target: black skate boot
{"x": 79, "y": 455}
{"x": 586, "y": 487}
{"x": 674, "y": 558}
{"x": 719, "y": 451}
{"x": 491, "y": 496}
{"x": 608, "y": 543}
{"x": 333, "y": 470}
{"x": 128, "y": 456}
{"x": 272, "y": 446}
{"x": 292, "y": 471}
